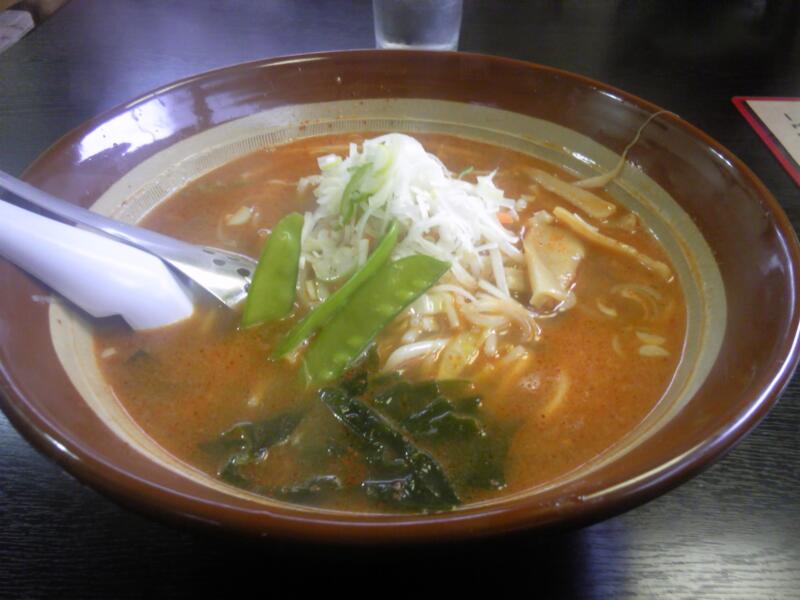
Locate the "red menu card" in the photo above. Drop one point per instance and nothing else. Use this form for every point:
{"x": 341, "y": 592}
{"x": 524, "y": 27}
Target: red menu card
{"x": 777, "y": 123}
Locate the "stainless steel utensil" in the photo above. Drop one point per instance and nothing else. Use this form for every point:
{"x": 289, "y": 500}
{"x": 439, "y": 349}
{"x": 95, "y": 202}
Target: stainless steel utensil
{"x": 225, "y": 275}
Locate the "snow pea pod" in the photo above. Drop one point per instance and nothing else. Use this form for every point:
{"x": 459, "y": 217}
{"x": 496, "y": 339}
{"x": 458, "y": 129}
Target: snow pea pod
{"x": 371, "y": 308}
{"x": 322, "y": 313}
{"x": 273, "y": 289}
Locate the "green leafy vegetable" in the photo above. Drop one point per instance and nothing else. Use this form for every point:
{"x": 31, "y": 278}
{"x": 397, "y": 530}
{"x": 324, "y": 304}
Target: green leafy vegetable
{"x": 322, "y": 313}
{"x": 433, "y": 409}
{"x": 370, "y": 308}
{"x": 413, "y": 446}
{"x": 364, "y": 181}
{"x": 446, "y": 415}
{"x": 272, "y": 291}
{"x": 353, "y": 195}
{"x": 440, "y": 419}
{"x": 247, "y": 443}
{"x": 405, "y": 475}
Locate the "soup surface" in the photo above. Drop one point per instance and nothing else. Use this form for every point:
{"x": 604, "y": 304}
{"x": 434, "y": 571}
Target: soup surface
{"x": 455, "y": 404}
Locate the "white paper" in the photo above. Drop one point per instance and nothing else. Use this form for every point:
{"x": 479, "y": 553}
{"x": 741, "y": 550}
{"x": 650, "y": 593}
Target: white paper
{"x": 782, "y": 119}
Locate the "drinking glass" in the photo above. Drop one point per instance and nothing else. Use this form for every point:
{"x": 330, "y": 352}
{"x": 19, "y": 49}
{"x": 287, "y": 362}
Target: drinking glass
{"x": 429, "y": 24}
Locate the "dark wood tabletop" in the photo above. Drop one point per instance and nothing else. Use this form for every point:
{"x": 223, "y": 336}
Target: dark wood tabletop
{"x": 731, "y": 532}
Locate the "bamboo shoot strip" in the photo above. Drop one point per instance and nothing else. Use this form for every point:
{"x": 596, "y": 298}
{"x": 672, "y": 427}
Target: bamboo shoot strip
{"x": 592, "y": 204}
{"x": 591, "y": 233}
{"x": 601, "y": 181}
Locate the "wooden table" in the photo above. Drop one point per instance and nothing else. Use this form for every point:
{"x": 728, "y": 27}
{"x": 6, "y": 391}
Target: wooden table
{"x": 732, "y": 532}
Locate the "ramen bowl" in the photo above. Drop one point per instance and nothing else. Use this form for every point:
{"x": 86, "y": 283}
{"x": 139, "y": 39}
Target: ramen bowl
{"x": 732, "y": 248}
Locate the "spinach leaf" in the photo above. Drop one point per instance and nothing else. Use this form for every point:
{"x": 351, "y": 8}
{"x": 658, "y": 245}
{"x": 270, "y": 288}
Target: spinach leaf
{"x": 247, "y": 443}
{"x": 447, "y": 416}
{"x": 439, "y": 419}
{"x": 482, "y": 461}
{"x": 419, "y": 446}
{"x": 404, "y": 475}
{"x": 427, "y": 409}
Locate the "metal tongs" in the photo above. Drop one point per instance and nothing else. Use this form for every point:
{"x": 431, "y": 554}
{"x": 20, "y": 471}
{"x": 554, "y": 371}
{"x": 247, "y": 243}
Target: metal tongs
{"x": 106, "y": 277}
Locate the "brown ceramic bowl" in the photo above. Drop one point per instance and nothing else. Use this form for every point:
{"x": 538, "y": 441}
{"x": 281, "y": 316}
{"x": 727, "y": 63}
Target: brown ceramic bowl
{"x": 732, "y": 245}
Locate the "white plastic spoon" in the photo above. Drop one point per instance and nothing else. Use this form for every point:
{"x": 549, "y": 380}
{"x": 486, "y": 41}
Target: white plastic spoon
{"x": 102, "y": 276}
{"x": 224, "y": 274}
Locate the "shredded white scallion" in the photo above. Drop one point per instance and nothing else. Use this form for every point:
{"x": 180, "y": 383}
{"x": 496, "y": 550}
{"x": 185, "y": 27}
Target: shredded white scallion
{"x": 439, "y": 215}
{"x": 483, "y": 297}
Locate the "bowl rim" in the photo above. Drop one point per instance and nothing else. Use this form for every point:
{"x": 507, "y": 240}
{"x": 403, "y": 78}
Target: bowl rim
{"x": 149, "y": 497}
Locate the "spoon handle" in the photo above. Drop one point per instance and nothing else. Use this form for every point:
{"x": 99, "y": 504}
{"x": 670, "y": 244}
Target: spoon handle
{"x": 136, "y": 236}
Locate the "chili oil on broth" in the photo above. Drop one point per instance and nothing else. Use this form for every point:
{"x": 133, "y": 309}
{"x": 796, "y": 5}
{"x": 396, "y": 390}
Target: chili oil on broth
{"x": 581, "y": 387}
